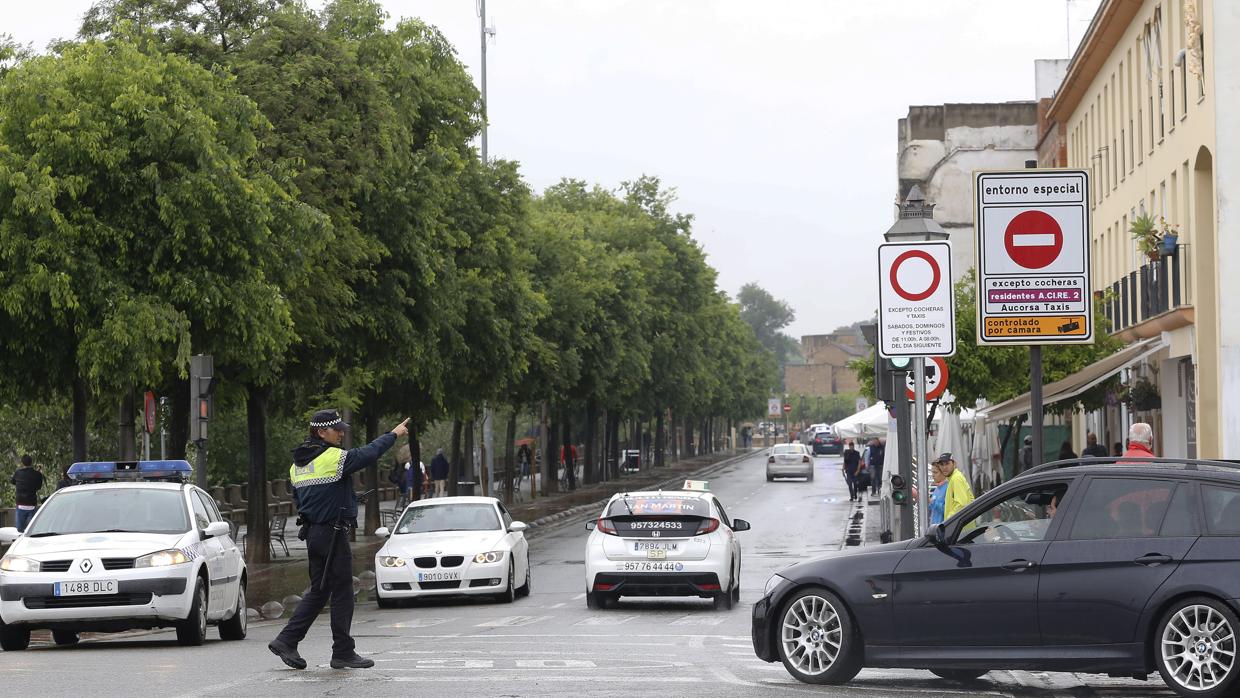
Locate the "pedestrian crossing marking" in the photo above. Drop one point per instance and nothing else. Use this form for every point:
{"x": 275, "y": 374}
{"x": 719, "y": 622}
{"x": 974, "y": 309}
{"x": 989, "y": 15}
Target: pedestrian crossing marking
{"x": 511, "y": 621}
{"x": 605, "y": 620}
{"x": 699, "y": 620}
{"x": 420, "y": 623}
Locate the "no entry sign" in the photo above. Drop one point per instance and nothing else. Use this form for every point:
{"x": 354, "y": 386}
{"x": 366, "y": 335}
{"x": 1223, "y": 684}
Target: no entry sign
{"x": 1033, "y": 283}
{"x": 916, "y": 313}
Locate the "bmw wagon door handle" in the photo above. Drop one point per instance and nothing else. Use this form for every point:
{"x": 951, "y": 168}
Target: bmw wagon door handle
{"x": 1020, "y": 565}
{"x": 1153, "y": 559}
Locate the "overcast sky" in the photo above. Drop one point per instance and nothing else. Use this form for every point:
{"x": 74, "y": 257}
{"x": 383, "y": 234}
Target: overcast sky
{"x": 774, "y": 119}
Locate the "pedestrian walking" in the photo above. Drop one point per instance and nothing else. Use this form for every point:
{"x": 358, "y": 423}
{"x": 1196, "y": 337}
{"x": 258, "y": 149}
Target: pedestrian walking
{"x": 322, "y": 481}
{"x": 959, "y": 492}
{"x": 1093, "y": 449}
{"x": 439, "y": 472}
{"x": 1140, "y": 441}
{"x": 878, "y": 451}
{"x": 27, "y": 481}
{"x": 1065, "y": 451}
{"x": 852, "y": 465}
{"x": 525, "y": 456}
{"x": 1026, "y": 454}
{"x": 938, "y": 495}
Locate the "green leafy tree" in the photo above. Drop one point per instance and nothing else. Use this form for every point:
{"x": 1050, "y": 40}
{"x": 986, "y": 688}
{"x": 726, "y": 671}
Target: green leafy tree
{"x": 768, "y": 316}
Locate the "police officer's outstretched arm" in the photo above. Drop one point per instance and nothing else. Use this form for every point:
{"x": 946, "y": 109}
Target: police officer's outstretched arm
{"x": 363, "y": 456}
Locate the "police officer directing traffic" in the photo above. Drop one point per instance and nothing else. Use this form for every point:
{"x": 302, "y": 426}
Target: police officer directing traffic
{"x": 323, "y": 492}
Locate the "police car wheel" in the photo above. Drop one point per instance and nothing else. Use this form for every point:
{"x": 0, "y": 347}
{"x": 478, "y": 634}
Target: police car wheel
{"x": 64, "y": 637}
{"x": 234, "y": 628}
{"x": 193, "y": 630}
{"x": 14, "y": 639}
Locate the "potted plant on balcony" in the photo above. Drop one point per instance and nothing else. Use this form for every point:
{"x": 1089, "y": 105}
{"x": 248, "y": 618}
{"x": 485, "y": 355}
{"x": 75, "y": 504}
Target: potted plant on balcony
{"x": 1147, "y": 235}
{"x": 1143, "y": 395}
{"x": 1170, "y": 235}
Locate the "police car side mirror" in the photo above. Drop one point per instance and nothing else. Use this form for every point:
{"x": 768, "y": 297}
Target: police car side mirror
{"x": 589, "y": 525}
{"x": 740, "y": 525}
{"x": 382, "y": 532}
{"x": 216, "y": 528}
{"x": 8, "y": 534}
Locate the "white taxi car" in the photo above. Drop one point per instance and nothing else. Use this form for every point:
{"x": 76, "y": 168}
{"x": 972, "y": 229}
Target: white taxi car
{"x": 452, "y": 546}
{"x": 131, "y": 545}
{"x": 674, "y": 543}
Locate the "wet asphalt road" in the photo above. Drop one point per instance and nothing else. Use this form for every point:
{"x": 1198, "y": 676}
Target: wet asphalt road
{"x": 547, "y": 644}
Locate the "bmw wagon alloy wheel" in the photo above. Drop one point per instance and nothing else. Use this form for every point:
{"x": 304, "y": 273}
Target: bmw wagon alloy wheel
{"x": 1199, "y": 647}
{"x": 811, "y": 634}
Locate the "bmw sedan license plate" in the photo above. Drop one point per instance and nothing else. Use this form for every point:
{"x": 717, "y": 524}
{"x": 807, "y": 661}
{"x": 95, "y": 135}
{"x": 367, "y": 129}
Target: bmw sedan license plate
{"x": 439, "y": 576}
{"x": 86, "y": 588}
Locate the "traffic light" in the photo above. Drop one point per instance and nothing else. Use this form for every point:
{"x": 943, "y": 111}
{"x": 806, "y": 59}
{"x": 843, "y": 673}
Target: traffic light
{"x": 201, "y": 388}
{"x": 899, "y": 490}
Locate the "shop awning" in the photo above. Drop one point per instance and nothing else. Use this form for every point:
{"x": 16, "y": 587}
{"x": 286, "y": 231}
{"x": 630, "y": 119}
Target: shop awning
{"x": 1076, "y": 383}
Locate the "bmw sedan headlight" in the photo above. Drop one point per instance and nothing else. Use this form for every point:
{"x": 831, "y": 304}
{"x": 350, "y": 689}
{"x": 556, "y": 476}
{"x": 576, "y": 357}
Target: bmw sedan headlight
{"x": 14, "y": 563}
{"x": 163, "y": 558}
{"x": 771, "y": 583}
{"x": 493, "y": 556}
{"x": 391, "y": 561}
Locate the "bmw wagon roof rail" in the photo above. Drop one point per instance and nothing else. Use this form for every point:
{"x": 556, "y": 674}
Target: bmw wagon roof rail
{"x": 1184, "y": 463}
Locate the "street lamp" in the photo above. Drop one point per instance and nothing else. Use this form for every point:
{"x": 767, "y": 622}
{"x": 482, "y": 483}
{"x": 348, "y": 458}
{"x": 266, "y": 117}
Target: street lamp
{"x": 914, "y": 223}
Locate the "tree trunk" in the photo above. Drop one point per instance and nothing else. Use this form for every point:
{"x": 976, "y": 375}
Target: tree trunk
{"x": 543, "y": 446}
{"x": 257, "y": 533}
{"x": 688, "y": 436}
{"x": 468, "y": 473}
{"x": 126, "y": 448}
{"x": 588, "y": 471}
{"x": 570, "y": 462}
{"x": 79, "y": 418}
{"x": 551, "y": 475}
{"x": 658, "y": 440}
{"x": 509, "y": 457}
{"x": 372, "y": 472}
{"x": 613, "y": 446}
{"x": 178, "y": 429}
{"x": 415, "y": 460}
{"x": 454, "y": 465}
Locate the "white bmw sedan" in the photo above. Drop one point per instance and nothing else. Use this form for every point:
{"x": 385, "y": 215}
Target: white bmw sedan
{"x": 677, "y": 543}
{"x": 452, "y": 546}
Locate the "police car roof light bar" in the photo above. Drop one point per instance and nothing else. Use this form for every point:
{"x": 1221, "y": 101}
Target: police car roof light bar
{"x": 108, "y": 471}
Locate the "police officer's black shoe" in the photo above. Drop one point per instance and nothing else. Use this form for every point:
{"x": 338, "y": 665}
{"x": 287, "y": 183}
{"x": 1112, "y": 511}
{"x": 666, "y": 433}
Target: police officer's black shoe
{"x": 354, "y": 661}
{"x": 287, "y": 654}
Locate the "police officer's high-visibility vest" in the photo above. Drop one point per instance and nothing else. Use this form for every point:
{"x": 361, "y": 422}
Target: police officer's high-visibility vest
{"x": 324, "y": 469}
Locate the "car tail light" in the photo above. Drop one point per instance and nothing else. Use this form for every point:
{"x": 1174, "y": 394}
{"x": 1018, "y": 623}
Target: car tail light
{"x": 603, "y": 587}
{"x": 606, "y": 526}
{"x": 770, "y": 459}
{"x": 804, "y": 459}
{"x": 709, "y": 587}
{"x": 707, "y": 526}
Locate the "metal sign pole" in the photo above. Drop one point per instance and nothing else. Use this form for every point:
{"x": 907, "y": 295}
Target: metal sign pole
{"x": 1035, "y": 403}
{"x": 919, "y": 445}
{"x": 904, "y": 452}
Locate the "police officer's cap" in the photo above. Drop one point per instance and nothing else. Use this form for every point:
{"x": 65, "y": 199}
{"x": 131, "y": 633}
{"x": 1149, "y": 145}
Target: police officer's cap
{"x": 328, "y": 419}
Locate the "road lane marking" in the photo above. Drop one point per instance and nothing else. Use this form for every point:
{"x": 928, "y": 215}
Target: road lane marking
{"x": 605, "y": 620}
{"x": 579, "y": 597}
{"x": 511, "y": 621}
{"x": 335, "y": 677}
{"x": 419, "y": 623}
{"x": 555, "y": 664}
{"x": 698, "y": 620}
{"x": 560, "y": 605}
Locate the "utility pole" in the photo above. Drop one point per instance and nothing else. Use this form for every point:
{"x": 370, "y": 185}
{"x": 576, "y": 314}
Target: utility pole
{"x": 488, "y": 417}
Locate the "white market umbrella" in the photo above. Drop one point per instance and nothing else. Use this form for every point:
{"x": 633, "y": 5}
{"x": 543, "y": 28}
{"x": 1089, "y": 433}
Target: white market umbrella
{"x": 868, "y": 423}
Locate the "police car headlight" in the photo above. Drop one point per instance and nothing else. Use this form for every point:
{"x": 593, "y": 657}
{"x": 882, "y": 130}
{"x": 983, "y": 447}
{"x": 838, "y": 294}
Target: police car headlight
{"x": 391, "y": 561}
{"x": 13, "y": 563}
{"x": 771, "y": 583}
{"x": 493, "y": 556}
{"x": 163, "y": 558}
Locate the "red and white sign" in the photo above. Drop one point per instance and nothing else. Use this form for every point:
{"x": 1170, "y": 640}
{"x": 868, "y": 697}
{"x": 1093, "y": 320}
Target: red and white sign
{"x": 916, "y": 308}
{"x": 148, "y": 411}
{"x": 787, "y": 408}
{"x": 1033, "y": 243}
{"x": 936, "y": 379}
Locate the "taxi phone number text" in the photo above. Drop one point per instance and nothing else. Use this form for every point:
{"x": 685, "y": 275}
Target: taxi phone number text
{"x": 650, "y": 567}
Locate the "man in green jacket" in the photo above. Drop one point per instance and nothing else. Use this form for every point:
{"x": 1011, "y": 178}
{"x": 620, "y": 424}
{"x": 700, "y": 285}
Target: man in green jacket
{"x": 959, "y": 493}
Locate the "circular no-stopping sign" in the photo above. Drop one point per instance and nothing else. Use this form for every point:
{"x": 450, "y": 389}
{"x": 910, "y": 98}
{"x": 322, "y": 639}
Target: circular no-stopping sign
{"x": 1033, "y": 239}
{"x": 915, "y": 294}
{"x": 936, "y": 379}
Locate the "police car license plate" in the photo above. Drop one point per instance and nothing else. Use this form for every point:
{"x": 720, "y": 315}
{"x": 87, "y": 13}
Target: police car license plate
{"x": 439, "y": 576}
{"x": 85, "y": 588}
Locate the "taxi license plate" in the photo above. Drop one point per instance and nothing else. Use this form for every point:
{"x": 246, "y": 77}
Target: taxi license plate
{"x": 656, "y": 554}
{"x": 85, "y": 588}
{"x": 640, "y": 545}
{"x": 439, "y": 576}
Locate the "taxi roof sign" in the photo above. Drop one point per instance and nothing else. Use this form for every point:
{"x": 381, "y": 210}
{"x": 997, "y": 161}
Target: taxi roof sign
{"x": 696, "y": 486}
{"x": 103, "y": 471}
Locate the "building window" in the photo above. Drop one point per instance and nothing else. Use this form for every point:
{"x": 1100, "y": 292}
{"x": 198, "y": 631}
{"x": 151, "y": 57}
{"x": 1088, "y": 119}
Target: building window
{"x": 1156, "y": 35}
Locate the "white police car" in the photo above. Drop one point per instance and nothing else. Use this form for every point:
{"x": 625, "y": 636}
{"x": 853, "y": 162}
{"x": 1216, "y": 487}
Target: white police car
{"x": 675, "y": 543}
{"x": 131, "y": 545}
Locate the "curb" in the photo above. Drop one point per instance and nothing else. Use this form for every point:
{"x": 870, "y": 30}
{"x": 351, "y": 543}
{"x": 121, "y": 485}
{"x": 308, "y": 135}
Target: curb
{"x": 574, "y": 513}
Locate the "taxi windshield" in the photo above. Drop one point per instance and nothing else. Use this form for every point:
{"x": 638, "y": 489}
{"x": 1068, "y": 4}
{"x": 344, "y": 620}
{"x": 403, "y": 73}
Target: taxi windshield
{"x": 87, "y": 509}
{"x": 449, "y": 517}
{"x": 669, "y": 505}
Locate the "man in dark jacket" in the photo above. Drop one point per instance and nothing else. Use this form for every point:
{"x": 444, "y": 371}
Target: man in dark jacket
{"x": 852, "y": 465}
{"x": 323, "y": 492}
{"x": 27, "y": 482}
{"x": 876, "y": 456}
{"x": 439, "y": 472}
{"x": 1093, "y": 449}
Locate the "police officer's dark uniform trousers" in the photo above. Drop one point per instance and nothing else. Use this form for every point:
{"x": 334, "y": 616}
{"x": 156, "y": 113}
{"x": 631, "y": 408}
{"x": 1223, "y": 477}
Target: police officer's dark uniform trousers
{"x": 322, "y": 485}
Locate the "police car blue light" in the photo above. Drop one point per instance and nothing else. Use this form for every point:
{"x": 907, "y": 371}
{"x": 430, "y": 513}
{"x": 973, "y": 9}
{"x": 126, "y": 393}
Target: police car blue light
{"x": 131, "y": 470}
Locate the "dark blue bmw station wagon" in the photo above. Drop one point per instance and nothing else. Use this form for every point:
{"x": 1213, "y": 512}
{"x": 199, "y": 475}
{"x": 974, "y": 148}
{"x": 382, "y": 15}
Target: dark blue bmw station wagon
{"x": 1122, "y": 568}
